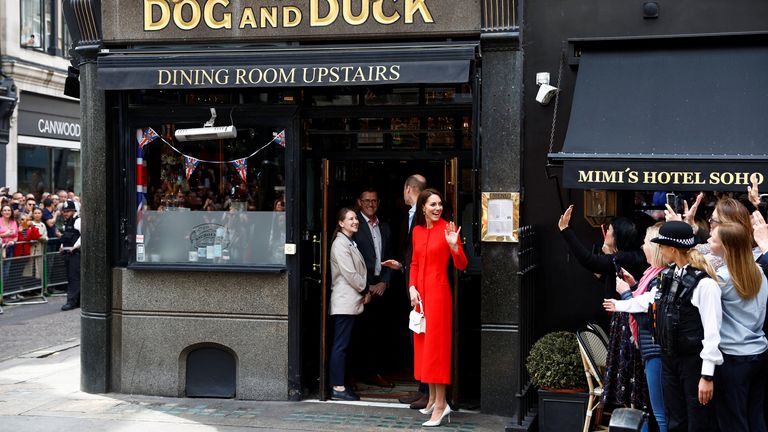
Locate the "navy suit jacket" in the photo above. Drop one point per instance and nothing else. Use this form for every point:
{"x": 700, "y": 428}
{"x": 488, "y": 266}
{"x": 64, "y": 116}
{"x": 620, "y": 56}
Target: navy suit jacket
{"x": 364, "y": 239}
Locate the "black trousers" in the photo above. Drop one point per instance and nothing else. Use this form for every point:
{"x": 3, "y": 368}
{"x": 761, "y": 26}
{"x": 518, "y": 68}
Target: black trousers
{"x": 72, "y": 264}
{"x": 740, "y": 392}
{"x": 680, "y": 377}
{"x": 342, "y": 334}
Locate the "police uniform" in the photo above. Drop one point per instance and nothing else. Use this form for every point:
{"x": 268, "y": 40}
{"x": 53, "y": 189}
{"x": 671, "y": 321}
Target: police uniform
{"x": 685, "y": 318}
{"x": 70, "y": 248}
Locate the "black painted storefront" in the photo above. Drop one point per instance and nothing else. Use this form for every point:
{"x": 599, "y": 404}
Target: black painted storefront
{"x": 118, "y": 308}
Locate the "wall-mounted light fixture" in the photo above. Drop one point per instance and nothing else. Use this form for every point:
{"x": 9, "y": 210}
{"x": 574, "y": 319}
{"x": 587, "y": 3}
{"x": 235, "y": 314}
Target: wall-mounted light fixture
{"x": 599, "y": 206}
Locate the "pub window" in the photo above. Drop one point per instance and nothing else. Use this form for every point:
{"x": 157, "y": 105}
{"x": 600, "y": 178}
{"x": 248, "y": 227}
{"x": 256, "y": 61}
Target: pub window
{"x": 218, "y": 202}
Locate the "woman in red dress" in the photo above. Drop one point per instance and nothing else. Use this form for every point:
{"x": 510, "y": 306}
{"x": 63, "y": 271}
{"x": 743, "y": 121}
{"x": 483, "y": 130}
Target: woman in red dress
{"x": 435, "y": 241}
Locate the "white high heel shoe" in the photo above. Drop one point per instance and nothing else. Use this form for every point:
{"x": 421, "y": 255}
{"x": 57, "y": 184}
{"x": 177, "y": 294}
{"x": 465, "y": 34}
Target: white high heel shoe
{"x": 427, "y": 410}
{"x": 439, "y": 421}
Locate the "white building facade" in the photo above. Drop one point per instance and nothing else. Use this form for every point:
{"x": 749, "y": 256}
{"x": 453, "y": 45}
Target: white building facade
{"x": 43, "y": 150}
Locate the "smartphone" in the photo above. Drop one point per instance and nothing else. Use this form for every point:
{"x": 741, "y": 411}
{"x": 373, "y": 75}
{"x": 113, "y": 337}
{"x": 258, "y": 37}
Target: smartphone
{"x": 619, "y": 271}
{"x": 671, "y": 199}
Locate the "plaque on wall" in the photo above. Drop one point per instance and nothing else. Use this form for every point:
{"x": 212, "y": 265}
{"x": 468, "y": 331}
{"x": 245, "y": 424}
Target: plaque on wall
{"x": 500, "y": 221}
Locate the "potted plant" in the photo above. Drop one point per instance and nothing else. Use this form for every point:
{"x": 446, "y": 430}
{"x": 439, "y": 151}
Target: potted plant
{"x": 555, "y": 366}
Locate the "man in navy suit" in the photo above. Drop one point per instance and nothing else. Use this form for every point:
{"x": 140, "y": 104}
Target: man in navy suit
{"x": 373, "y": 242}
{"x": 414, "y": 184}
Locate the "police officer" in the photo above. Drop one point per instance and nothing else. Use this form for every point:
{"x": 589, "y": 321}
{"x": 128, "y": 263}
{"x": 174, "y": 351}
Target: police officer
{"x": 70, "y": 249}
{"x": 686, "y": 317}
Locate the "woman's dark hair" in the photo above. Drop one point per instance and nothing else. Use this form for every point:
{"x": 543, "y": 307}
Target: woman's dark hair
{"x": 340, "y": 217}
{"x": 420, "y": 218}
{"x": 3, "y": 208}
{"x": 625, "y": 234}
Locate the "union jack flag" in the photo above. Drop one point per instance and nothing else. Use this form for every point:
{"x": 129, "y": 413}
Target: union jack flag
{"x": 190, "y": 164}
{"x": 143, "y": 137}
{"x": 241, "y": 165}
{"x": 279, "y": 137}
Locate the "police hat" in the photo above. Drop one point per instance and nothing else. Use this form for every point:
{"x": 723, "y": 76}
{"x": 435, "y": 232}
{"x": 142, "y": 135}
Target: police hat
{"x": 69, "y": 205}
{"x": 677, "y": 234}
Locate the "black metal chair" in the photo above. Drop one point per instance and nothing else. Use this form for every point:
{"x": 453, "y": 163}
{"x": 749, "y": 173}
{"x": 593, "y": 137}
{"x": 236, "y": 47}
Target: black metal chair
{"x": 594, "y": 356}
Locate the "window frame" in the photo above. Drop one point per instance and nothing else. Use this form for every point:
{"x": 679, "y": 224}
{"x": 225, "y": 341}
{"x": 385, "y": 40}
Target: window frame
{"x": 137, "y": 116}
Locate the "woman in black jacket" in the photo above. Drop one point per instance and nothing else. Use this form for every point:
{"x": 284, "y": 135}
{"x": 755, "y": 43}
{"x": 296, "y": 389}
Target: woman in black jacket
{"x": 625, "y": 382}
{"x": 621, "y": 246}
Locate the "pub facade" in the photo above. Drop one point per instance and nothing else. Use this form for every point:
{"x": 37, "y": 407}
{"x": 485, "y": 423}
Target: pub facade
{"x": 223, "y": 136}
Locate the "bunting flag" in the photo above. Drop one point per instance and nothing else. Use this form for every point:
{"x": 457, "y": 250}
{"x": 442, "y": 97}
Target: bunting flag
{"x": 279, "y": 137}
{"x": 241, "y": 165}
{"x": 146, "y": 136}
{"x": 190, "y": 164}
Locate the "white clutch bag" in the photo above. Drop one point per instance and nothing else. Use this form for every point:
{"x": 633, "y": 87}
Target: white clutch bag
{"x": 416, "y": 321}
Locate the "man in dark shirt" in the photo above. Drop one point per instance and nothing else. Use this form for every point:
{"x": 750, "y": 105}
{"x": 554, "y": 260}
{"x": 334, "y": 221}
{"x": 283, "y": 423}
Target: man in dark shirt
{"x": 50, "y": 215}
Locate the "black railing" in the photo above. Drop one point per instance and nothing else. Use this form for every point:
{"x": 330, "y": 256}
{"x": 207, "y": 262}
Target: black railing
{"x": 526, "y": 394}
{"x": 499, "y": 16}
{"x": 31, "y": 271}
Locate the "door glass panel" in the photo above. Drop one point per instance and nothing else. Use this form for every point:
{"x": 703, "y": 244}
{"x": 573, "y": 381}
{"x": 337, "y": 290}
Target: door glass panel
{"x": 441, "y": 133}
{"x": 371, "y": 133}
{"x": 405, "y": 133}
{"x": 392, "y": 96}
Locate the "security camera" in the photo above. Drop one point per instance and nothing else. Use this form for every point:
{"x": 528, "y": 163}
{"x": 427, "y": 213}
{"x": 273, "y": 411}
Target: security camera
{"x": 206, "y": 133}
{"x": 545, "y": 93}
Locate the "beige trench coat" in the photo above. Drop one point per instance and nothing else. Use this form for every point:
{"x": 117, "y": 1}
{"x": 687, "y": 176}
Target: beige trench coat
{"x": 348, "y": 277}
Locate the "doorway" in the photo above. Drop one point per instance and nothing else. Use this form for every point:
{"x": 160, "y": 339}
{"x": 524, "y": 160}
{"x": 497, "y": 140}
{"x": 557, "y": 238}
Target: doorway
{"x": 340, "y": 183}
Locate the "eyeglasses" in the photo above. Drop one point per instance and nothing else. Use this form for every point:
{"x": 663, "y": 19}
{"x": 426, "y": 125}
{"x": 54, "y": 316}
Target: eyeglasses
{"x": 713, "y": 221}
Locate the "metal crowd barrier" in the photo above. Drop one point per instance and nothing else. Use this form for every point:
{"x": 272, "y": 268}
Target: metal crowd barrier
{"x": 32, "y": 277}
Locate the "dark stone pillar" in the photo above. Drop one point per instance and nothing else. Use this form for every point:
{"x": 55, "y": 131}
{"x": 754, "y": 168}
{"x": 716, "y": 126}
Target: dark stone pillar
{"x": 96, "y": 155}
{"x": 501, "y": 137}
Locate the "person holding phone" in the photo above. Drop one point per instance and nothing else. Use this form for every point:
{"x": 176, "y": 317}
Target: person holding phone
{"x": 636, "y": 300}
{"x": 624, "y": 377}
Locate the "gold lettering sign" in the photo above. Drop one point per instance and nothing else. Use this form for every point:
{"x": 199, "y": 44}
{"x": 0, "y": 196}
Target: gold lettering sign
{"x": 219, "y": 14}
{"x": 256, "y": 76}
{"x": 671, "y": 178}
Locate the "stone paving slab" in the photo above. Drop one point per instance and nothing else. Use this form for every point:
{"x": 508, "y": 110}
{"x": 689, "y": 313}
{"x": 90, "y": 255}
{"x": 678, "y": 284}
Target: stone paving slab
{"x": 42, "y": 394}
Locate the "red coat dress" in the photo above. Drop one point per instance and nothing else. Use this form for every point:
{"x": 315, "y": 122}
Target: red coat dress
{"x": 429, "y": 274}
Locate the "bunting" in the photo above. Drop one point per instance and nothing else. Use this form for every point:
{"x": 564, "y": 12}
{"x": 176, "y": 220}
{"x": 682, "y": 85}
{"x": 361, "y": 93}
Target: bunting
{"x": 279, "y": 138}
{"x": 241, "y": 166}
{"x": 190, "y": 164}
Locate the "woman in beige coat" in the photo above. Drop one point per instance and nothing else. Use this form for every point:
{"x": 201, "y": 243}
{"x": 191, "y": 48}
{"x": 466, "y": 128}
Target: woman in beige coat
{"x": 348, "y": 297}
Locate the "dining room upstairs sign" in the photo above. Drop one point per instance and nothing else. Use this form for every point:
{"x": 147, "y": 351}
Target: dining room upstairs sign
{"x": 253, "y": 20}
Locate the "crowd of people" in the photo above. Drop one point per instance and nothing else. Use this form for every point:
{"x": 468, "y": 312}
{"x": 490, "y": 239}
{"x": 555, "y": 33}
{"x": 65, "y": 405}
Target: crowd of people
{"x": 688, "y": 311}
{"x": 32, "y": 225}
{"x": 361, "y": 266}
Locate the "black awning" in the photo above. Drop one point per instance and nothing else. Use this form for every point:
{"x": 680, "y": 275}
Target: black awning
{"x": 676, "y": 119}
{"x": 286, "y": 66}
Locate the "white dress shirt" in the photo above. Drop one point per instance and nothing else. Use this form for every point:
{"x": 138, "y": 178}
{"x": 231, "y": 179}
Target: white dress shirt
{"x": 376, "y": 233}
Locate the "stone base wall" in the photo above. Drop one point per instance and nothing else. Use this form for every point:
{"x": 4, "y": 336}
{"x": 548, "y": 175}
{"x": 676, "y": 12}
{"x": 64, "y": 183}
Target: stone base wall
{"x": 159, "y": 315}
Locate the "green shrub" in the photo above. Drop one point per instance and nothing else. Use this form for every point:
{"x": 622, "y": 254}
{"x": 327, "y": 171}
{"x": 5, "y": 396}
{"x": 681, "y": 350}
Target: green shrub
{"x": 555, "y": 362}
